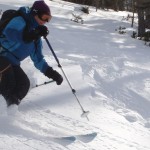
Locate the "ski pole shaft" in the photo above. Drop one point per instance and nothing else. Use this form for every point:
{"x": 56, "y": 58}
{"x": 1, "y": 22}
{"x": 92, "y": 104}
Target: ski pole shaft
{"x": 59, "y": 65}
{"x": 37, "y": 85}
{"x": 74, "y": 92}
{"x": 49, "y": 45}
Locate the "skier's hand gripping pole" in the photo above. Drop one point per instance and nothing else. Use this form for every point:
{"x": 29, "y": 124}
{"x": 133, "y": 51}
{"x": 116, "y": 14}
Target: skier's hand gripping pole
{"x": 84, "y": 113}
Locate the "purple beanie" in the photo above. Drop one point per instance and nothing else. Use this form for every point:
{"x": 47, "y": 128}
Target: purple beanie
{"x": 39, "y": 8}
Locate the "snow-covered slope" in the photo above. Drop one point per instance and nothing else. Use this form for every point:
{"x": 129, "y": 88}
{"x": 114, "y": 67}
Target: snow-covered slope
{"x": 111, "y": 74}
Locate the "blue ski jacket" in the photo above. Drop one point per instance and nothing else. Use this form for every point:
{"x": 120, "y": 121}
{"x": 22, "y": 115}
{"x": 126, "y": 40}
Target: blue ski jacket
{"x": 15, "y": 49}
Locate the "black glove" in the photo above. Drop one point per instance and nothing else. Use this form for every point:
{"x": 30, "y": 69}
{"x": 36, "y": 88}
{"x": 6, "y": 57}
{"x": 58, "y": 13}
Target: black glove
{"x": 41, "y": 31}
{"x": 50, "y": 73}
{"x": 35, "y": 34}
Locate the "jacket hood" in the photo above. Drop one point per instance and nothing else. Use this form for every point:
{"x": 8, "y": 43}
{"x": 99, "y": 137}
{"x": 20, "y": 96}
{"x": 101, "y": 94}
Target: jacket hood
{"x": 29, "y": 18}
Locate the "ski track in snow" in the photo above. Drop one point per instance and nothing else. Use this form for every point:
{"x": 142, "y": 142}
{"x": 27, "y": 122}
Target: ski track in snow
{"x": 48, "y": 127}
{"x": 28, "y": 125}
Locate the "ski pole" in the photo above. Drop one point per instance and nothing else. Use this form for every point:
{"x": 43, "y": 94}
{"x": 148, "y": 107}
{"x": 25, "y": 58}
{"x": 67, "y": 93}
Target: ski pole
{"x": 84, "y": 113}
{"x": 37, "y": 85}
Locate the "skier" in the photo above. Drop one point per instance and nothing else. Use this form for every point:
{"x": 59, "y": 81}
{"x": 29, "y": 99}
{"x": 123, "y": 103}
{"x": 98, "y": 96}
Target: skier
{"x": 22, "y": 38}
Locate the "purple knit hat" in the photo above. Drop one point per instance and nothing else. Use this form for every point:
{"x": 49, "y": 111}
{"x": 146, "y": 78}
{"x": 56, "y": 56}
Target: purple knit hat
{"x": 39, "y": 8}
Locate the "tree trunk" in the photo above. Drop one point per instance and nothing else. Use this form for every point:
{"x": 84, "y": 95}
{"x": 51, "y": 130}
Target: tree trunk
{"x": 133, "y": 10}
{"x": 147, "y": 18}
{"x": 141, "y": 22}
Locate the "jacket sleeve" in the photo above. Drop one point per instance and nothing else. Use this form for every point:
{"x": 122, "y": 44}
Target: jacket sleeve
{"x": 38, "y": 58}
{"x": 14, "y": 29}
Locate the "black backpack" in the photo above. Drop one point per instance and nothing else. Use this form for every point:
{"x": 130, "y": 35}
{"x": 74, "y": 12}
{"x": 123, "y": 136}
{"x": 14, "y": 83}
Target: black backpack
{"x": 7, "y": 16}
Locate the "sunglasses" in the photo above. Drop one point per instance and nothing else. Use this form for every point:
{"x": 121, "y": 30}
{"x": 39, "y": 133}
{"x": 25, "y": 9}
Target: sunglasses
{"x": 45, "y": 18}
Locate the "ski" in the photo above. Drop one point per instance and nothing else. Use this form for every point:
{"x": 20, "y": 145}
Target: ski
{"x": 67, "y": 140}
{"x": 86, "y": 138}
{"x": 64, "y": 141}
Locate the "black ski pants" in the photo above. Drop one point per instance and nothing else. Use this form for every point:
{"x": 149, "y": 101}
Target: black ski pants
{"x": 14, "y": 83}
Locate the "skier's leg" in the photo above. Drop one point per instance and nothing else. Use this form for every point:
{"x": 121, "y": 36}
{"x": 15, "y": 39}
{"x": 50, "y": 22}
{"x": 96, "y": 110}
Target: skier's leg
{"x": 7, "y": 81}
{"x": 22, "y": 83}
{"x": 14, "y": 83}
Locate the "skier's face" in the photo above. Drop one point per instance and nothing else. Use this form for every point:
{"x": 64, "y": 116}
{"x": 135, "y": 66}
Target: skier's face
{"x": 41, "y": 20}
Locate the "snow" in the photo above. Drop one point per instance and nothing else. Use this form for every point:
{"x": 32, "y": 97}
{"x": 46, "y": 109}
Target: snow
{"x": 110, "y": 73}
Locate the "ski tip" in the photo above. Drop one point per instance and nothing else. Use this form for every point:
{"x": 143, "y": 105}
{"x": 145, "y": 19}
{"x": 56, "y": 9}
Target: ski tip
{"x": 86, "y": 138}
{"x": 94, "y": 134}
{"x": 64, "y": 140}
{"x": 85, "y": 114}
